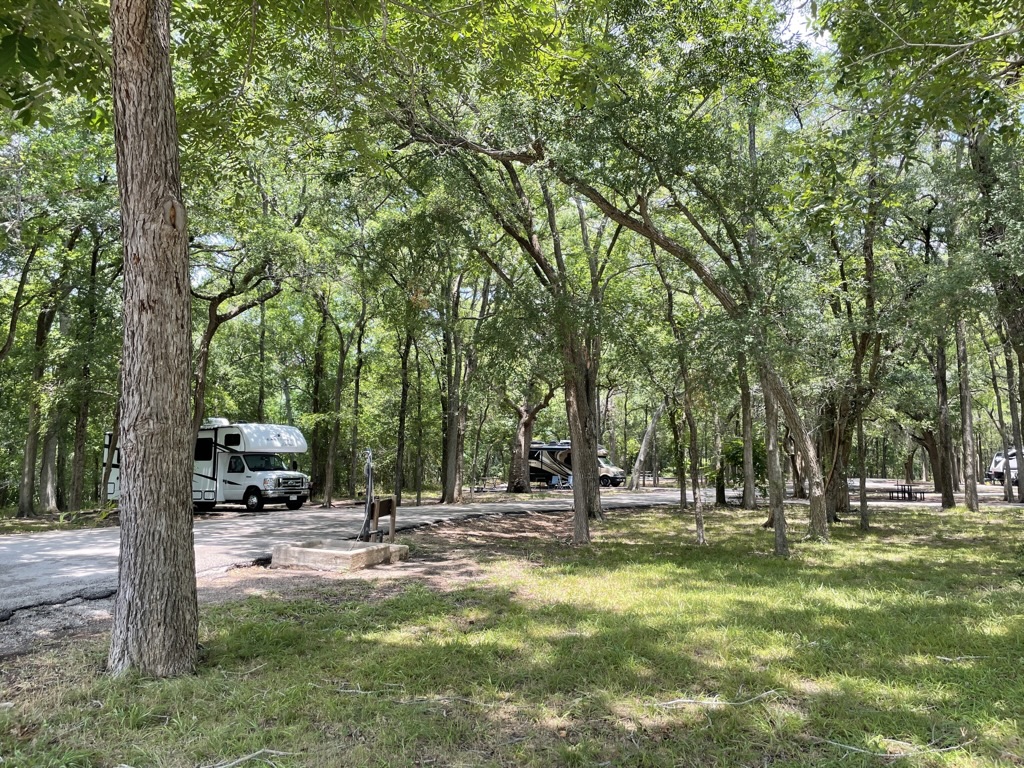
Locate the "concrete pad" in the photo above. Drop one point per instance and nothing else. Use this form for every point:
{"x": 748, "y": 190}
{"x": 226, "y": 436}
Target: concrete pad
{"x": 335, "y": 555}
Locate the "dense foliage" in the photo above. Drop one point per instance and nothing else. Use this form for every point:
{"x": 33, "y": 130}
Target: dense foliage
{"x": 411, "y": 222}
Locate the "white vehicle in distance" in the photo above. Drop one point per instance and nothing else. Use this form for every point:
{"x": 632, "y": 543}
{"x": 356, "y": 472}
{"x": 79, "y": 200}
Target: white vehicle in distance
{"x": 238, "y": 463}
{"x": 997, "y": 468}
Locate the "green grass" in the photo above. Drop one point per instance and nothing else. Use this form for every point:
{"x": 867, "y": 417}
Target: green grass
{"x": 904, "y": 641}
{"x": 65, "y": 521}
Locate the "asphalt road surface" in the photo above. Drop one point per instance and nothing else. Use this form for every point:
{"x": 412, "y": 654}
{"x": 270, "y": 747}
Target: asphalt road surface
{"x": 51, "y": 568}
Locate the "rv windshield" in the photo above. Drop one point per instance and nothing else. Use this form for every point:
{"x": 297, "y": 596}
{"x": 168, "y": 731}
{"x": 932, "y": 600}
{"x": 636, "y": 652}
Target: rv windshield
{"x": 263, "y": 462}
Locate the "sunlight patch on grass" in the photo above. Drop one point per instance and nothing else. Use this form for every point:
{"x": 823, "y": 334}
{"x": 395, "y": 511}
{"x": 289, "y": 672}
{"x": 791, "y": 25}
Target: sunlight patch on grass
{"x": 906, "y": 638}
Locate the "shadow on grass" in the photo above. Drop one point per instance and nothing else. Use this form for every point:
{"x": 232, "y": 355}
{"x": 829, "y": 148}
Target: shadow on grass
{"x": 558, "y": 656}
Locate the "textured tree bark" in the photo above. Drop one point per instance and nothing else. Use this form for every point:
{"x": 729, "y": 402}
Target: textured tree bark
{"x": 581, "y": 413}
{"x": 27, "y": 486}
{"x": 155, "y": 629}
{"x": 316, "y": 443}
{"x": 519, "y": 466}
{"x": 719, "y": 464}
{"x": 353, "y": 441}
{"x": 645, "y": 447}
{"x": 332, "y": 442}
{"x": 749, "y": 477}
{"x": 1004, "y": 443}
{"x": 776, "y": 482}
{"x": 77, "y": 491}
{"x": 698, "y": 498}
{"x": 943, "y": 432}
{"x": 817, "y": 519}
{"x": 679, "y": 451}
{"x": 967, "y": 419}
{"x": 48, "y": 467}
{"x": 862, "y": 475}
{"x": 1014, "y": 406}
{"x": 403, "y": 412}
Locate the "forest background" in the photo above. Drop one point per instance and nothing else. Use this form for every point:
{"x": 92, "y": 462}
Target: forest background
{"x": 439, "y": 231}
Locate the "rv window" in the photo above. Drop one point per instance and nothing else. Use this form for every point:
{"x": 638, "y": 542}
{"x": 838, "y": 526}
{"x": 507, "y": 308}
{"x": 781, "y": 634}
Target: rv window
{"x": 232, "y": 440}
{"x": 204, "y": 449}
{"x": 235, "y": 464}
{"x": 264, "y": 462}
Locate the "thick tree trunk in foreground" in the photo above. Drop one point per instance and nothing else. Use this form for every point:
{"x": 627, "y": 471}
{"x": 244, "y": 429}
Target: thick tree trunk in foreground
{"x": 155, "y": 629}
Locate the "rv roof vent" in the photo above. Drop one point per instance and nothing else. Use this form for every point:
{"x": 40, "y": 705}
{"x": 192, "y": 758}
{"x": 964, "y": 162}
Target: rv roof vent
{"x": 216, "y": 422}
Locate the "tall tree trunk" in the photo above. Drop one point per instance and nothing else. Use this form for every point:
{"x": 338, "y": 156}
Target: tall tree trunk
{"x": 581, "y": 413}
{"x": 286, "y": 393}
{"x": 332, "y": 442}
{"x": 317, "y": 455}
{"x": 1004, "y": 442}
{"x": 48, "y": 466}
{"x": 403, "y": 408}
{"x": 357, "y": 380}
{"x": 776, "y": 482}
{"x": 75, "y": 497}
{"x": 817, "y": 519}
{"x": 944, "y": 469}
{"x": 27, "y": 486}
{"x": 719, "y": 464}
{"x": 747, "y": 418}
{"x": 967, "y": 419}
{"x": 419, "y": 428}
{"x": 1013, "y": 402}
{"x": 695, "y": 479}
{"x": 645, "y": 446}
{"x": 261, "y": 396}
{"x": 679, "y": 451}
{"x": 156, "y": 617}
{"x": 862, "y": 474}
{"x": 526, "y": 417}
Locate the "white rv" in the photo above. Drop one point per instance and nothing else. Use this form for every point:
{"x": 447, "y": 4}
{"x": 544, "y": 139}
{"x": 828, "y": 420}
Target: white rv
{"x": 238, "y": 463}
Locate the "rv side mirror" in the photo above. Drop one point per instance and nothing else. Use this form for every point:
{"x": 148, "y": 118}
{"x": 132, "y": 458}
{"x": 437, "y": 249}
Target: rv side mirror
{"x": 295, "y": 466}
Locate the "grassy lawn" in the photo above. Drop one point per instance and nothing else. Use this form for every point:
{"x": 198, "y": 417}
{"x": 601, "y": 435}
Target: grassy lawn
{"x": 92, "y": 518}
{"x": 904, "y": 644}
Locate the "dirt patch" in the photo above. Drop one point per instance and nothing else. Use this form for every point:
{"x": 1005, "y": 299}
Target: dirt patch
{"x": 444, "y": 556}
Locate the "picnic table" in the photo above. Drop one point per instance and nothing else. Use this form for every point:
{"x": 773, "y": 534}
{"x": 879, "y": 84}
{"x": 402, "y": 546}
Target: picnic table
{"x": 906, "y": 492}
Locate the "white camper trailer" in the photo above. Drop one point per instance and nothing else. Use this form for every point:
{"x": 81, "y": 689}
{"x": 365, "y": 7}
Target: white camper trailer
{"x": 238, "y": 463}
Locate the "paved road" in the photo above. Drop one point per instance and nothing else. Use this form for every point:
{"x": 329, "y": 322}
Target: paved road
{"x": 54, "y": 567}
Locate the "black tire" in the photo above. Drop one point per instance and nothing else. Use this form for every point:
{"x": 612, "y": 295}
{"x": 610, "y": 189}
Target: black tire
{"x": 294, "y": 504}
{"x": 253, "y": 500}
{"x": 605, "y": 481}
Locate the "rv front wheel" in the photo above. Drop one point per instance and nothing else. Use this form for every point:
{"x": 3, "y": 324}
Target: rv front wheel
{"x": 253, "y": 500}
{"x": 605, "y": 481}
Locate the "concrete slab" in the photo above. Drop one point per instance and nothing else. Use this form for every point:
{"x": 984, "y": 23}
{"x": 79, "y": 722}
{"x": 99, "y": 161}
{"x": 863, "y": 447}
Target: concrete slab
{"x": 335, "y": 555}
